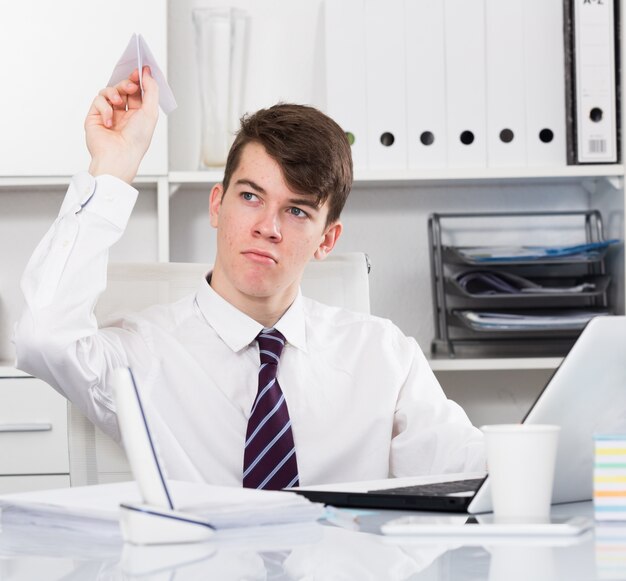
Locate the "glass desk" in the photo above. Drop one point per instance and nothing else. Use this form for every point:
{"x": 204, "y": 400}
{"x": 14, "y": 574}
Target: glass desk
{"x": 316, "y": 551}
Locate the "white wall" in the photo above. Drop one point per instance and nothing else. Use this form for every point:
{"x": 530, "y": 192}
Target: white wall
{"x": 56, "y": 56}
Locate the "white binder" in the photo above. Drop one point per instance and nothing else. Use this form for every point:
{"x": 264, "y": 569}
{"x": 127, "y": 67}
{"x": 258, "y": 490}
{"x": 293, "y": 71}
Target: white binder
{"x": 544, "y": 73}
{"x": 506, "y": 113}
{"x": 346, "y": 100}
{"x": 425, "y": 84}
{"x": 594, "y": 56}
{"x": 465, "y": 81}
{"x": 386, "y": 84}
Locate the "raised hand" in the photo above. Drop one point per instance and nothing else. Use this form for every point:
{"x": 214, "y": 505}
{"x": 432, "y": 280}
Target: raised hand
{"x": 120, "y": 125}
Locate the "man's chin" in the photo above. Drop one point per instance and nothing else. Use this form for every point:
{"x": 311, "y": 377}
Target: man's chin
{"x": 265, "y": 290}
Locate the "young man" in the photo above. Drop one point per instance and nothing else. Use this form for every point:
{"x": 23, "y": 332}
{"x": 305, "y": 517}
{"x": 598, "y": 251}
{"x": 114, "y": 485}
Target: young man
{"x": 246, "y": 381}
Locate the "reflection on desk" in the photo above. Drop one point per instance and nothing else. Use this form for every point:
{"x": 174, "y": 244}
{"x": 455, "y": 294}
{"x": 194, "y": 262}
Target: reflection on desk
{"x": 318, "y": 551}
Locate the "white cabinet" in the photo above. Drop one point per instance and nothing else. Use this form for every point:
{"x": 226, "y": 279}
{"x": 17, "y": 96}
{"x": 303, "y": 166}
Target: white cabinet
{"x": 33, "y": 435}
{"x": 33, "y": 428}
{"x": 10, "y": 484}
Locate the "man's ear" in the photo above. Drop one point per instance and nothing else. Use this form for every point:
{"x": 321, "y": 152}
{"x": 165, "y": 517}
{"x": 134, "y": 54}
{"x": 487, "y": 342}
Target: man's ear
{"x": 331, "y": 235}
{"x": 215, "y": 201}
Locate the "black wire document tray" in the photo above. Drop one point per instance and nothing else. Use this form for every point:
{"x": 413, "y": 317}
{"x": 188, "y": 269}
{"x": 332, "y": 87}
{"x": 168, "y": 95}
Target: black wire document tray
{"x": 531, "y": 293}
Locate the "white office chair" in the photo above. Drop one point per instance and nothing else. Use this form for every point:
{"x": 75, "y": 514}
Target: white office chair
{"x": 340, "y": 280}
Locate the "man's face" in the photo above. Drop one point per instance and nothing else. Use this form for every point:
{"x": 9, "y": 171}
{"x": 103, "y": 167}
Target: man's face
{"x": 266, "y": 233}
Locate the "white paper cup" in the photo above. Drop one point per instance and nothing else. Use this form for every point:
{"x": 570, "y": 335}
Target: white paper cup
{"x": 520, "y": 462}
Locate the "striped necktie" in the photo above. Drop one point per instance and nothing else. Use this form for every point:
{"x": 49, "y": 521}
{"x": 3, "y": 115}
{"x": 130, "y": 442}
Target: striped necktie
{"x": 269, "y": 459}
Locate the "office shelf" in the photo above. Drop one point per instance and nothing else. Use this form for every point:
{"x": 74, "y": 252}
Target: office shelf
{"x": 448, "y": 175}
{"x": 444, "y": 363}
{"x": 394, "y": 178}
{"x": 9, "y": 183}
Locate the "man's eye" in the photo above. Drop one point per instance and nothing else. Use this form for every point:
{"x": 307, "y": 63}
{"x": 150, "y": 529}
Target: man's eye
{"x": 248, "y": 196}
{"x": 298, "y": 212}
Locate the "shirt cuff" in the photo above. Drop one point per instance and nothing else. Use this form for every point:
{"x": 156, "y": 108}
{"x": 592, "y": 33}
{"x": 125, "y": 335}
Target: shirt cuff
{"x": 106, "y": 196}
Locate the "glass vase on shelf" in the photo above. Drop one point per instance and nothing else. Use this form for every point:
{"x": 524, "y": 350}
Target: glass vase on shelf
{"x": 221, "y": 56}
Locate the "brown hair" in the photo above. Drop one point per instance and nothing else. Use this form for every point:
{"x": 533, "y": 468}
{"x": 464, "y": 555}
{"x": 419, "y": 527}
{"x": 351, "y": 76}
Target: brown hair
{"x": 311, "y": 149}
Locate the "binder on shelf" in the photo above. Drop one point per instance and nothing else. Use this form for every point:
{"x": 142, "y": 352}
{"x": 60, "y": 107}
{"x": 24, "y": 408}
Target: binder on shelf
{"x": 506, "y": 107}
{"x": 346, "y": 91}
{"x": 544, "y": 82}
{"x": 465, "y": 83}
{"x": 386, "y": 84}
{"x": 425, "y": 84}
{"x": 594, "y": 77}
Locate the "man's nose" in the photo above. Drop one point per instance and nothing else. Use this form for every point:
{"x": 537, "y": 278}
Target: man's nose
{"x": 268, "y": 225}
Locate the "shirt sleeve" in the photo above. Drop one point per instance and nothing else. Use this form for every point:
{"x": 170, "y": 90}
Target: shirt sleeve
{"x": 431, "y": 434}
{"x": 57, "y": 337}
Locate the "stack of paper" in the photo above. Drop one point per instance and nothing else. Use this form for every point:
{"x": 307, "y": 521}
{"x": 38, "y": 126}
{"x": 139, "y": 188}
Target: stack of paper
{"x": 96, "y": 508}
{"x": 556, "y": 320}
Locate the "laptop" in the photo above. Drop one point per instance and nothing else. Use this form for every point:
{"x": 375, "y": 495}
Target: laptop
{"x": 586, "y": 395}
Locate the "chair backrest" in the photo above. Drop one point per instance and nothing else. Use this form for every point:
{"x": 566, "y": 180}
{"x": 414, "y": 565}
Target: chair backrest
{"x": 339, "y": 280}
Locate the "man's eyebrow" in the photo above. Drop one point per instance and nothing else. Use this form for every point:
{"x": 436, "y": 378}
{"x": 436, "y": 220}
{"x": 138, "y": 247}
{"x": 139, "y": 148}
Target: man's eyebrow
{"x": 308, "y": 202}
{"x": 253, "y": 185}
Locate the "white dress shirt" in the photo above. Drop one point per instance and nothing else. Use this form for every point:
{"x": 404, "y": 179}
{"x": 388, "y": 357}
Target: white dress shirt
{"x": 362, "y": 398}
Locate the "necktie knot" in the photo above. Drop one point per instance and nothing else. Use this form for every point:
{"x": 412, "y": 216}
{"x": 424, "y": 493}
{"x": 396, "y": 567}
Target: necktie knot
{"x": 271, "y": 345}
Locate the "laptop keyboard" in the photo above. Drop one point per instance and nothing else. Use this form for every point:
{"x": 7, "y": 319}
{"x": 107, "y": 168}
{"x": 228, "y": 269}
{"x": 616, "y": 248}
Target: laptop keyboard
{"x": 436, "y": 488}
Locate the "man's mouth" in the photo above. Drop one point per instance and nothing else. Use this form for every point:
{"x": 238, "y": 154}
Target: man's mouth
{"x": 260, "y": 256}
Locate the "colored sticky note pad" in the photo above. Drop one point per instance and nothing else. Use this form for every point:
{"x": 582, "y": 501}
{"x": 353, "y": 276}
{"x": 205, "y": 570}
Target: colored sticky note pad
{"x": 609, "y": 477}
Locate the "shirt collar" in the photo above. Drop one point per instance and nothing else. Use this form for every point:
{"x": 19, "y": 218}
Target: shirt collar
{"x": 292, "y": 323}
{"x": 238, "y": 330}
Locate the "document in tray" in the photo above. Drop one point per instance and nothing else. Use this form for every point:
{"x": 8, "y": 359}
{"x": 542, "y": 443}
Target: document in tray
{"x": 495, "y": 321}
{"x": 517, "y": 253}
{"x": 492, "y": 282}
{"x": 224, "y": 507}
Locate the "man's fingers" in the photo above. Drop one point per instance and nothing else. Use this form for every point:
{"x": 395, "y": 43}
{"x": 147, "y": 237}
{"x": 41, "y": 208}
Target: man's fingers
{"x": 134, "y": 96}
{"x": 102, "y": 107}
{"x": 126, "y": 95}
{"x": 114, "y": 97}
{"x": 150, "y": 91}
{"x": 127, "y": 87}
{"x": 134, "y": 100}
